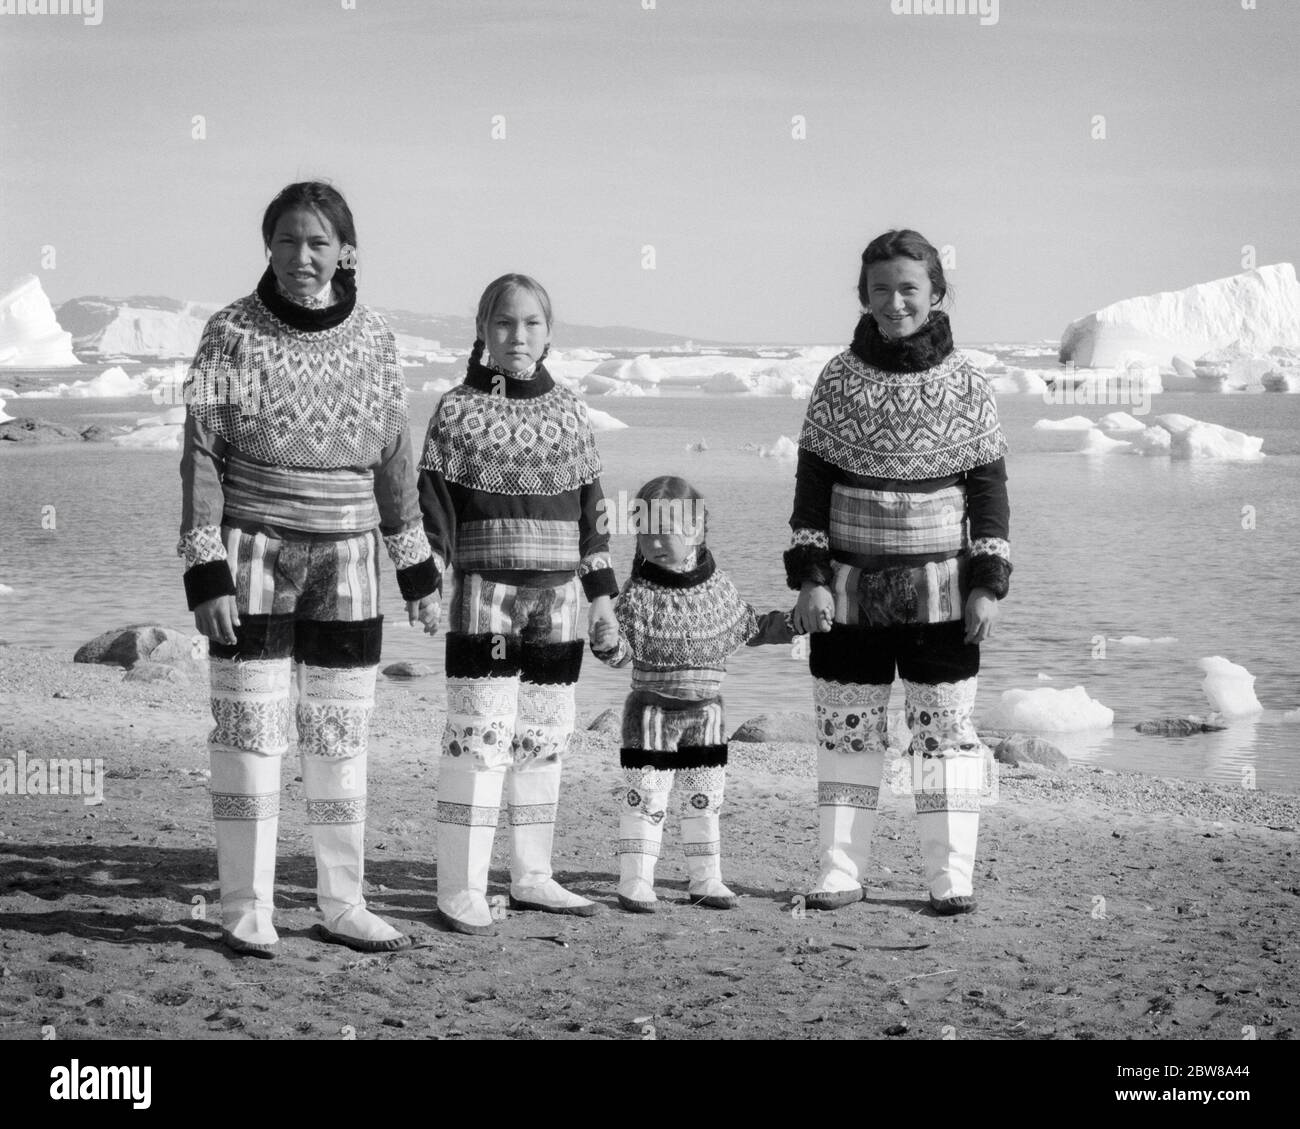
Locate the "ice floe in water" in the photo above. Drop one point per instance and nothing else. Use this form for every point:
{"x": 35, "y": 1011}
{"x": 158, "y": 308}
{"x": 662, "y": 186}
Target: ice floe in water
{"x": 1175, "y": 435}
{"x": 603, "y": 421}
{"x": 111, "y": 382}
{"x": 1229, "y": 688}
{"x": 1049, "y": 710}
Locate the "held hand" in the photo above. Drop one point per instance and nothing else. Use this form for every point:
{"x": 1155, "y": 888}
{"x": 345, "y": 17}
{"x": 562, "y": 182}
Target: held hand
{"x": 427, "y": 611}
{"x": 814, "y": 610}
{"x": 981, "y": 615}
{"x": 603, "y": 635}
{"x": 601, "y": 623}
{"x": 217, "y": 619}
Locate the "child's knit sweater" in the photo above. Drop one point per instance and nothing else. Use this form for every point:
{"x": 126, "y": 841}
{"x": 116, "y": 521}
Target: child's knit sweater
{"x": 678, "y": 629}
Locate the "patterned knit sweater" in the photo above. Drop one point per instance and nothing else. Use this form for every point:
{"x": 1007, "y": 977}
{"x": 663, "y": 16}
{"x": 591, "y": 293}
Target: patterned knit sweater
{"x": 901, "y": 466}
{"x": 678, "y": 629}
{"x": 510, "y": 483}
{"x": 296, "y": 427}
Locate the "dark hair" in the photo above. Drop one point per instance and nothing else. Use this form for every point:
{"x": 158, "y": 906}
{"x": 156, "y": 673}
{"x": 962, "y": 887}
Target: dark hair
{"x": 315, "y": 196}
{"x": 903, "y": 244}
{"x": 496, "y": 290}
{"x": 671, "y": 488}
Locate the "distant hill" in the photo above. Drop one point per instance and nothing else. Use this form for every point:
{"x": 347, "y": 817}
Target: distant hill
{"x": 152, "y": 326}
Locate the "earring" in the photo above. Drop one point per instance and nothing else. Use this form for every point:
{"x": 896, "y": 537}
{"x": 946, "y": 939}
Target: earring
{"x": 348, "y": 258}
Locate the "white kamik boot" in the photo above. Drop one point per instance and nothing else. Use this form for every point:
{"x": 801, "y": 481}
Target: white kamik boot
{"x": 250, "y": 703}
{"x": 852, "y": 738}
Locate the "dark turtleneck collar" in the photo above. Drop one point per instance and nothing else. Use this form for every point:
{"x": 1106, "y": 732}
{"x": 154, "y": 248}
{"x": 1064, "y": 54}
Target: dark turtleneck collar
{"x": 667, "y": 578}
{"x": 924, "y": 349}
{"x": 300, "y": 317}
{"x": 483, "y": 379}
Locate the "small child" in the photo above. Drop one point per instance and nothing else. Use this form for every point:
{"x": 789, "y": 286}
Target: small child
{"x": 679, "y": 619}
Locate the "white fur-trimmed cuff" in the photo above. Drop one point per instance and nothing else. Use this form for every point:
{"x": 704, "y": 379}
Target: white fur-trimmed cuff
{"x": 201, "y": 545}
{"x": 816, "y": 538}
{"x": 594, "y": 562}
{"x": 991, "y": 547}
{"x": 410, "y": 547}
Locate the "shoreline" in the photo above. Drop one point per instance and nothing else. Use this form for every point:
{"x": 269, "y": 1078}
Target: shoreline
{"x": 1111, "y": 904}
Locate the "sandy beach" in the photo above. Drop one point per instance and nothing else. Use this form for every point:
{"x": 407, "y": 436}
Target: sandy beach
{"x": 1111, "y": 905}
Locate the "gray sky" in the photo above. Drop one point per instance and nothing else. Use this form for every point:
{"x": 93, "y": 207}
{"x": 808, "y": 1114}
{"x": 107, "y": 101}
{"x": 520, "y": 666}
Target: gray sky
{"x": 670, "y": 127}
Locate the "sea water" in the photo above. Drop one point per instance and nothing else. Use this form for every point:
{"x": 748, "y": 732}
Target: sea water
{"x": 1103, "y": 547}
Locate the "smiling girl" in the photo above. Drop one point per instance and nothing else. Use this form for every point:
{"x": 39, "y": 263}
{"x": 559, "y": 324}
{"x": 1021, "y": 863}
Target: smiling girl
{"x": 900, "y": 555}
{"x": 510, "y": 488}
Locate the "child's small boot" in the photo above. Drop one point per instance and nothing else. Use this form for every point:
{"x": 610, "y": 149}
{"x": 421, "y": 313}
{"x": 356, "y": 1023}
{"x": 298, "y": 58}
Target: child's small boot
{"x": 644, "y": 805}
{"x": 702, "y": 790}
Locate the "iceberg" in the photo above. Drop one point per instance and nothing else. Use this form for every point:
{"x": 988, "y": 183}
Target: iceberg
{"x": 1254, "y": 310}
{"x": 1016, "y": 380}
{"x": 1070, "y": 423}
{"x": 603, "y": 421}
{"x": 1120, "y": 423}
{"x": 1049, "y": 710}
{"x": 1229, "y": 688}
{"x": 156, "y": 437}
{"x": 30, "y": 334}
{"x": 784, "y": 448}
{"x": 111, "y": 382}
{"x": 639, "y": 370}
{"x": 3, "y": 416}
{"x": 136, "y": 327}
{"x": 1281, "y": 381}
{"x": 1213, "y": 441}
{"x": 981, "y": 359}
{"x": 1096, "y": 442}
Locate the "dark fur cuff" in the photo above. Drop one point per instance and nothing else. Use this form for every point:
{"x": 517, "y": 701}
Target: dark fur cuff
{"x": 684, "y": 756}
{"x": 419, "y": 580}
{"x": 205, "y": 582}
{"x": 807, "y": 563}
{"x": 993, "y": 573}
{"x": 601, "y": 582}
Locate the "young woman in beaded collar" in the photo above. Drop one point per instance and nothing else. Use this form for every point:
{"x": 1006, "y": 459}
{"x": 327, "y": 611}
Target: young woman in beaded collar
{"x": 297, "y": 459}
{"x": 900, "y": 553}
{"x": 679, "y": 619}
{"x": 510, "y": 487}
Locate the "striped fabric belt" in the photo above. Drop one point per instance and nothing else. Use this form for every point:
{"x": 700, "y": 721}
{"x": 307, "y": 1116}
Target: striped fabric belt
{"x": 885, "y": 523}
{"x": 311, "y": 501}
{"x": 485, "y": 607}
{"x": 928, "y": 593}
{"x": 529, "y": 544}
{"x": 691, "y": 684}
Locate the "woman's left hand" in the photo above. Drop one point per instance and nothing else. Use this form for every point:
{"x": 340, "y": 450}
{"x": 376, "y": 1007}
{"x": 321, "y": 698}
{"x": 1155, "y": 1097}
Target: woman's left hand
{"x": 981, "y": 615}
{"x": 602, "y": 611}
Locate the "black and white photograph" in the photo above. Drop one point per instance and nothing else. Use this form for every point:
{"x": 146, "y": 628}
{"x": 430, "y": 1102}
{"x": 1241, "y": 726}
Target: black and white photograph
{"x": 651, "y": 520}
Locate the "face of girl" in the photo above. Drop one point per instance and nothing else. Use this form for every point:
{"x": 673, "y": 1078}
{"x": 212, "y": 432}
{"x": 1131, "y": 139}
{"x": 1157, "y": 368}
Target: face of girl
{"x": 667, "y": 550}
{"x": 304, "y": 252}
{"x": 517, "y": 332}
{"x": 900, "y": 296}
{"x": 676, "y": 528}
